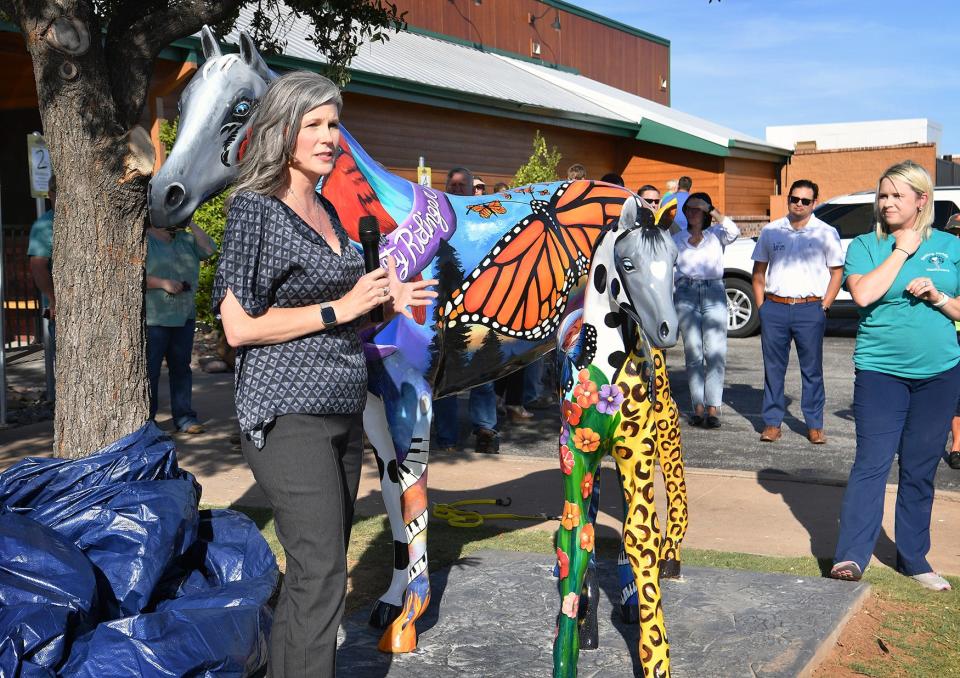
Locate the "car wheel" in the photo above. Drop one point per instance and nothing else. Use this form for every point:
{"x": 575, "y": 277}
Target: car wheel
{"x": 742, "y": 317}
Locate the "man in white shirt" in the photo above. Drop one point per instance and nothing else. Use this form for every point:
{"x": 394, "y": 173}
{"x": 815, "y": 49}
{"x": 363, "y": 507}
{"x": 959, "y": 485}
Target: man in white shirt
{"x": 797, "y": 270}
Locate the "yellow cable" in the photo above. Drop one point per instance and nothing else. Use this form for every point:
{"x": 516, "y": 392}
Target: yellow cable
{"x": 457, "y": 517}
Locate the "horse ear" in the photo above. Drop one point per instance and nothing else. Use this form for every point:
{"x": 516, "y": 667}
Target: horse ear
{"x": 628, "y": 215}
{"x": 251, "y": 57}
{"x": 211, "y": 48}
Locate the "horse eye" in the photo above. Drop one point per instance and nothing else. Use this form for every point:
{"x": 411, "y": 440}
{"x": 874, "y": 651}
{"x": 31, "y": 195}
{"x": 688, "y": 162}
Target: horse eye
{"x": 241, "y": 109}
{"x": 627, "y": 265}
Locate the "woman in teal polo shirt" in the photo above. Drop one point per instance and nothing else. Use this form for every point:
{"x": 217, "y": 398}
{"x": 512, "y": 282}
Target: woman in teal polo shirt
{"x": 904, "y": 278}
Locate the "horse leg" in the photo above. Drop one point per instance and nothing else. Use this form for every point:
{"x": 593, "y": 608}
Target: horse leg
{"x": 628, "y": 583}
{"x": 401, "y": 635}
{"x": 670, "y": 454}
{"x": 575, "y": 545}
{"x": 404, "y": 480}
{"x": 388, "y": 606}
{"x": 590, "y": 592}
{"x": 641, "y": 535}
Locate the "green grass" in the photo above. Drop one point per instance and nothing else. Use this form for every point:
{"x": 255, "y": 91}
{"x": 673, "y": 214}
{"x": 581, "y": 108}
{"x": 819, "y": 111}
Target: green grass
{"x": 922, "y": 633}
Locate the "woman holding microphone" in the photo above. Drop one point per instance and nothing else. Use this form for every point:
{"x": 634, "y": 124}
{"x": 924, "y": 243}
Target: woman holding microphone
{"x": 292, "y": 294}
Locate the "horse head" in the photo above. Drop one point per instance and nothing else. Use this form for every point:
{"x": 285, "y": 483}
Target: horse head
{"x": 644, "y": 256}
{"x": 223, "y": 97}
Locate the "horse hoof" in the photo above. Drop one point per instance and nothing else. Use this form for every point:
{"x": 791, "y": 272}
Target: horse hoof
{"x": 587, "y": 613}
{"x": 383, "y": 614}
{"x": 630, "y": 614}
{"x": 401, "y": 634}
{"x": 670, "y": 569}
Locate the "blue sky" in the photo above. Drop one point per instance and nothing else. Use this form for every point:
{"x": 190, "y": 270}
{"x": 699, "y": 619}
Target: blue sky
{"x": 747, "y": 64}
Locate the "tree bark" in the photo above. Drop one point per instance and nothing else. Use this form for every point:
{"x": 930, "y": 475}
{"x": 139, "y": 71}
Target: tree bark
{"x": 99, "y": 235}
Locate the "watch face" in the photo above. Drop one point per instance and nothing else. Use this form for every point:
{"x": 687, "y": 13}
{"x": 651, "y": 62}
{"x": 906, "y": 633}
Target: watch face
{"x": 328, "y": 315}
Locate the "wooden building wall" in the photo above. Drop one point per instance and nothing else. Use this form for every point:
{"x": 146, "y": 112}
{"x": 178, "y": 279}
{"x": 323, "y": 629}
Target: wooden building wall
{"x": 654, "y": 164}
{"x": 748, "y": 185}
{"x": 615, "y": 57}
{"x": 396, "y": 134}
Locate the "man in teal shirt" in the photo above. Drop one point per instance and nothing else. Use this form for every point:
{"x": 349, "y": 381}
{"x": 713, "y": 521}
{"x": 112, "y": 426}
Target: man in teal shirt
{"x": 173, "y": 270}
{"x": 40, "y": 251}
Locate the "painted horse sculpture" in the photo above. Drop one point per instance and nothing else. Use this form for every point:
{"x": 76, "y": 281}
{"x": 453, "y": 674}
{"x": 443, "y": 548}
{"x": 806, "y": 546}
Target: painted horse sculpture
{"x": 510, "y": 266}
{"x": 616, "y": 400}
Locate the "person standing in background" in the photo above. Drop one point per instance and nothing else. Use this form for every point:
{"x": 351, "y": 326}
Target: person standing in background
{"x": 483, "y": 399}
{"x": 797, "y": 270}
{"x": 576, "y": 171}
{"x": 173, "y": 270}
{"x": 40, "y": 253}
{"x": 904, "y": 278}
{"x": 701, "y": 302}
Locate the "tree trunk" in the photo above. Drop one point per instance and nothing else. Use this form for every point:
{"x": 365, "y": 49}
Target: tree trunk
{"x": 99, "y": 236}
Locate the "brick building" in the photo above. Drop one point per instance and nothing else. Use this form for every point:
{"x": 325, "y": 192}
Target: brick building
{"x": 849, "y": 157}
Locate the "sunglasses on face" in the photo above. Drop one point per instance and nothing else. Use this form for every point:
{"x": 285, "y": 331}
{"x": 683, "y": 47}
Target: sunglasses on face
{"x": 653, "y": 201}
{"x": 795, "y": 199}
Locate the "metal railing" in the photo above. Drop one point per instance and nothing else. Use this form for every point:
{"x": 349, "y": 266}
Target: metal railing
{"x": 23, "y": 315}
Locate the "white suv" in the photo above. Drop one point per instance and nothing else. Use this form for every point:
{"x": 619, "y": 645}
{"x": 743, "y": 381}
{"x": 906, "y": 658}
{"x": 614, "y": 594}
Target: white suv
{"x": 851, "y": 215}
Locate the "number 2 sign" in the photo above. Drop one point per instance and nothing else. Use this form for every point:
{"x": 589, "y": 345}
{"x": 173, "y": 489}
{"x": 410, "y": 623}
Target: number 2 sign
{"x": 40, "y": 170}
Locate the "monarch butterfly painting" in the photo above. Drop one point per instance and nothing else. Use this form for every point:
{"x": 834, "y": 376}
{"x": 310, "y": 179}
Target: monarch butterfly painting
{"x": 487, "y": 209}
{"x": 521, "y": 286}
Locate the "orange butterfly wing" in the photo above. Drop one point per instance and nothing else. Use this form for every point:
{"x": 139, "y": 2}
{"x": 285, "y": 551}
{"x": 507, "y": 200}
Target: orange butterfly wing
{"x": 521, "y": 286}
{"x": 487, "y": 209}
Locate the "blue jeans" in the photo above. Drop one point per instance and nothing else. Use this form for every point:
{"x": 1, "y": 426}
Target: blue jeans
{"x": 483, "y": 414}
{"x": 533, "y": 381}
{"x": 804, "y": 325}
{"x": 702, "y": 310}
{"x": 176, "y": 345}
{"x": 909, "y": 417}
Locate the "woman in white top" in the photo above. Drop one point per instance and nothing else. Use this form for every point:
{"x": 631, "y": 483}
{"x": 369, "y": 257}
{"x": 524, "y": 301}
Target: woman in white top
{"x": 702, "y": 304}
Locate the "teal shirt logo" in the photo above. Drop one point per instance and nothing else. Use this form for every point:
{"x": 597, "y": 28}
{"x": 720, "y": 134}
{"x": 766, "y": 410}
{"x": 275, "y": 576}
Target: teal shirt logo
{"x": 935, "y": 262}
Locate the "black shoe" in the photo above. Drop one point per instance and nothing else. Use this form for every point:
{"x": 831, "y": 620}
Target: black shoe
{"x": 696, "y": 420}
{"x": 488, "y": 442}
{"x": 713, "y": 421}
{"x": 954, "y": 460}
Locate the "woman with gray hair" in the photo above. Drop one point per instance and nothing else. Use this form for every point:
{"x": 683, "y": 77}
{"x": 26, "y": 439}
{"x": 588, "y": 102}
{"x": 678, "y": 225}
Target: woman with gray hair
{"x": 904, "y": 277}
{"x": 292, "y": 294}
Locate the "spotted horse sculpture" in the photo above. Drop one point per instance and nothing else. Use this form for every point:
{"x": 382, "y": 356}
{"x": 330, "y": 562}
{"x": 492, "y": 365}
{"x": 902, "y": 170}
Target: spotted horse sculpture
{"x": 616, "y": 400}
{"x": 511, "y": 266}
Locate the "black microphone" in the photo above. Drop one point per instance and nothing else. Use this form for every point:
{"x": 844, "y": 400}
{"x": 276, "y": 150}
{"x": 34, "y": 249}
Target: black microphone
{"x": 370, "y": 241}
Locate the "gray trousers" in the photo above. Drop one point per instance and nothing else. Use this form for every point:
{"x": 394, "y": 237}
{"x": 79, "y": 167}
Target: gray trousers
{"x": 309, "y": 468}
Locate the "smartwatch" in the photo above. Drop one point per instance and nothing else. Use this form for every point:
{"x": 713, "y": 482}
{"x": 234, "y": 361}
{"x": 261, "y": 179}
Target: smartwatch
{"x": 328, "y": 315}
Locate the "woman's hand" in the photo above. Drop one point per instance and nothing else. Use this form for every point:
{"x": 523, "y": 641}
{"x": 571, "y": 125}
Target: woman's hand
{"x": 907, "y": 239}
{"x": 371, "y": 290}
{"x": 404, "y": 294}
{"x": 923, "y": 289}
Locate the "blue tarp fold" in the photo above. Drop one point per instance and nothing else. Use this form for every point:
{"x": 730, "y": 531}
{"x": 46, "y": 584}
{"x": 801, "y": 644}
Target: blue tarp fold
{"x": 108, "y": 569}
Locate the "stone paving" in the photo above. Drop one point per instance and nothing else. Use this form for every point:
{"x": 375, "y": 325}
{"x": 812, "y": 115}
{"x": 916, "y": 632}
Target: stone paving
{"x": 721, "y": 623}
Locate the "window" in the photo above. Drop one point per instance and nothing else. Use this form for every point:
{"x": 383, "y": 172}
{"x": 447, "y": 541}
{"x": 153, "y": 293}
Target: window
{"x": 857, "y": 219}
{"x": 850, "y": 220}
{"x": 942, "y": 210}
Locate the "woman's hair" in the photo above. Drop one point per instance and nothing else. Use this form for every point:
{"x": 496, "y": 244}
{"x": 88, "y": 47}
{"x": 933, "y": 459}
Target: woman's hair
{"x": 706, "y": 198}
{"x": 276, "y": 125}
{"x": 916, "y": 178}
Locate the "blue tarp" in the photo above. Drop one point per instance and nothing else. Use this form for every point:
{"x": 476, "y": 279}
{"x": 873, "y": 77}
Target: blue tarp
{"x": 109, "y": 569}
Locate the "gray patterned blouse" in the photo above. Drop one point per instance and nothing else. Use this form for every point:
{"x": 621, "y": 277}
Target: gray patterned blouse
{"x": 271, "y": 257}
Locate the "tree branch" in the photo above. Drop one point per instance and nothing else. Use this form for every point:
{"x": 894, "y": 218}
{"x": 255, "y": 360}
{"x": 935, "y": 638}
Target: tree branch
{"x": 134, "y": 40}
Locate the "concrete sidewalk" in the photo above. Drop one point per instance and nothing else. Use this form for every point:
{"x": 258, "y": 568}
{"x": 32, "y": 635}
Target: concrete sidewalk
{"x": 750, "y": 512}
{"x": 729, "y": 510}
